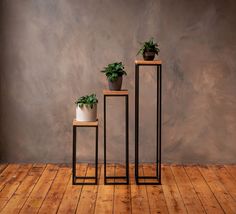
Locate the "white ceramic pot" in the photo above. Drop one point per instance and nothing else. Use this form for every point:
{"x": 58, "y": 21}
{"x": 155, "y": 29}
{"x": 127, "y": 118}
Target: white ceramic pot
{"x": 86, "y": 113}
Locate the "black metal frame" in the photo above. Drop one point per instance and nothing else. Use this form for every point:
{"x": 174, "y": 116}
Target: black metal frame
{"x": 158, "y": 127}
{"x": 126, "y": 142}
{"x": 74, "y": 177}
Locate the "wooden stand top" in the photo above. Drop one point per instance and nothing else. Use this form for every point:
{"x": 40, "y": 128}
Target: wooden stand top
{"x": 121, "y": 92}
{"x": 145, "y": 62}
{"x": 85, "y": 123}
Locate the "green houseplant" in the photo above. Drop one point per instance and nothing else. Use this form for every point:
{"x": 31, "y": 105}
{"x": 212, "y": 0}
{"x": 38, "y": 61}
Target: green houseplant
{"x": 149, "y": 49}
{"x": 114, "y": 73}
{"x": 86, "y": 108}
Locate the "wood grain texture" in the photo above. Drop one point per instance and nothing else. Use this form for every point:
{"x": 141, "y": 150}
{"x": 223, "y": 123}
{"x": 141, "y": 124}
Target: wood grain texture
{"x": 41, "y": 188}
{"x": 87, "y": 201}
{"x": 173, "y": 197}
{"x": 39, "y": 193}
{"x": 156, "y": 197}
{"x": 187, "y": 191}
{"x": 226, "y": 179}
{"x": 85, "y": 123}
{"x": 56, "y": 191}
{"x": 139, "y": 197}
{"x": 11, "y": 186}
{"x": 2, "y": 167}
{"x": 223, "y": 197}
{"x": 105, "y": 197}
{"x": 122, "y": 194}
{"x": 203, "y": 191}
{"x": 232, "y": 170}
{"x": 17, "y": 201}
{"x": 8, "y": 174}
{"x": 72, "y": 194}
{"x": 145, "y": 62}
{"x": 121, "y": 92}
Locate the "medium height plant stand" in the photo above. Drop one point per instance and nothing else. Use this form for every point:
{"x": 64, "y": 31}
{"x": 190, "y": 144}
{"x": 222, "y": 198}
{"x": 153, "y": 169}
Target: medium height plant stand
{"x": 108, "y": 93}
{"x": 74, "y": 177}
{"x": 157, "y": 177}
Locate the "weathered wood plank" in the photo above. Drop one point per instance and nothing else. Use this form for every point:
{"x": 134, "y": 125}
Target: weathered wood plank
{"x": 105, "y": 197}
{"x": 155, "y": 193}
{"x": 9, "y": 173}
{"x": 139, "y": 198}
{"x": 20, "y": 196}
{"x": 40, "y": 190}
{"x": 56, "y": 191}
{"x": 222, "y": 196}
{"x": 203, "y": 191}
{"x": 2, "y": 167}
{"x": 190, "y": 198}
{"x": 48, "y": 188}
{"x": 12, "y": 184}
{"x": 226, "y": 179}
{"x": 88, "y": 196}
{"x": 232, "y": 170}
{"x": 72, "y": 194}
{"x": 173, "y": 197}
{"x": 122, "y": 194}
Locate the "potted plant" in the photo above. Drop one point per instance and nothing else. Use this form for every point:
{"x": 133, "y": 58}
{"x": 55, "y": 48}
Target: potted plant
{"x": 86, "y": 108}
{"x": 149, "y": 49}
{"x": 114, "y": 73}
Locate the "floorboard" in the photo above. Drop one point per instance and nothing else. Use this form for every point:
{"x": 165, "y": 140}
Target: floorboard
{"x": 47, "y": 188}
{"x": 122, "y": 194}
{"x": 88, "y": 196}
{"x": 156, "y": 197}
{"x": 105, "y": 197}
{"x": 37, "y": 196}
{"x": 226, "y": 179}
{"x": 173, "y": 197}
{"x": 17, "y": 201}
{"x": 223, "y": 197}
{"x": 187, "y": 191}
{"x": 11, "y": 186}
{"x": 139, "y": 198}
{"x": 72, "y": 194}
{"x": 203, "y": 191}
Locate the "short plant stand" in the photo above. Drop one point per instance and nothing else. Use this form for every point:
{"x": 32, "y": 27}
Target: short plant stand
{"x": 74, "y": 177}
{"x": 108, "y": 93}
{"x": 157, "y": 177}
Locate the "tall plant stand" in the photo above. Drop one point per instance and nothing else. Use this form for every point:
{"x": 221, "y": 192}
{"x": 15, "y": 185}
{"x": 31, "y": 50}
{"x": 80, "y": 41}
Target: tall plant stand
{"x": 74, "y": 177}
{"x": 157, "y": 177}
{"x": 124, "y": 93}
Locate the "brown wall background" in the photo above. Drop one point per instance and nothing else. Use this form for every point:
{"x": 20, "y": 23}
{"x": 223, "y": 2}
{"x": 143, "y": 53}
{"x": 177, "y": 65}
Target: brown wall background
{"x": 52, "y": 52}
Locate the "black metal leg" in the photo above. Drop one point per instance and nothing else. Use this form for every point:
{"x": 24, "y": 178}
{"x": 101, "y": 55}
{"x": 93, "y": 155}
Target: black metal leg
{"x": 127, "y": 138}
{"x": 160, "y": 124}
{"x": 74, "y": 156}
{"x": 157, "y": 124}
{"x": 105, "y": 149}
{"x": 136, "y": 119}
{"x": 96, "y": 156}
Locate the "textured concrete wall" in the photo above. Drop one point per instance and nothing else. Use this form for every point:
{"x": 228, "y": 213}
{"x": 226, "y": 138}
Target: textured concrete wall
{"x": 52, "y": 52}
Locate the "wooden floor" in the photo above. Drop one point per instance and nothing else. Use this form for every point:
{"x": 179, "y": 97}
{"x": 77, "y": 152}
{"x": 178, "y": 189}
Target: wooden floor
{"x": 41, "y": 188}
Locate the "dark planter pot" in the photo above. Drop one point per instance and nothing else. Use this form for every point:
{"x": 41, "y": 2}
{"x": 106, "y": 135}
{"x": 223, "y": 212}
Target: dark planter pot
{"x": 149, "y": 55}
{"x": 116, "y": 85}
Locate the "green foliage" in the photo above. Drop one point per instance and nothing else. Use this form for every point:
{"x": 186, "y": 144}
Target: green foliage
{"x": 88, "y": 100}
{"x": 114, "y": 70}
{"x": 149, "y": 46}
